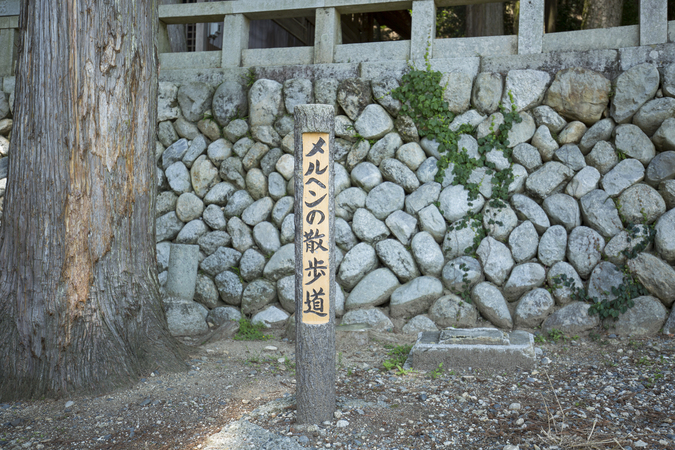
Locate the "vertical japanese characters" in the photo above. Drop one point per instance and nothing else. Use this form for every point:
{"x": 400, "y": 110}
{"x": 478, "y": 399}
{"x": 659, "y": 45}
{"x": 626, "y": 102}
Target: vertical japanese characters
{"x": 316, "y": 233}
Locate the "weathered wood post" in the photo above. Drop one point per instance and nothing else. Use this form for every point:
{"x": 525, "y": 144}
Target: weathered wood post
{"x": 315, "y": 263}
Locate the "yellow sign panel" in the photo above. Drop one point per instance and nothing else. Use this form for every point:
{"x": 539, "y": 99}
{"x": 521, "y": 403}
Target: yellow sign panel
{"x": 315, "y": 232}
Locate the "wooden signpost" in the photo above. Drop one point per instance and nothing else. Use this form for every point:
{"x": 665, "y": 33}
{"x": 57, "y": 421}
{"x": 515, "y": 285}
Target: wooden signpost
{"x": 315, "y": 263}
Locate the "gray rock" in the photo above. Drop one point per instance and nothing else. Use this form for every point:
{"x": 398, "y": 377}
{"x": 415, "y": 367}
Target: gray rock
{"x": 533, "y": 308}
{"x": 402, "y": 226}
{"x": 524, "y": 242}
{"x": 167, "y": 227}
{"x": 472, "y": 118}
{"x": 584, "y": 250}
{"x": 253, "y": 156}
{"x": 395, "y": 171}
{"x": 527, "y": 87}
{"x": 276, "y": 186}
{"x": 427, "y": 253}
{"x": 605, "y": 278}
{"x": 571, "y": 320}
{"x": 668, "y": 80}
{"x": 616, "y": 249}
{"x": 288, "y": 144}
{"x": 240, "y": 233}
{"x": 426, "y": 172}
{"x": 528, "y": 209}
{"x": 552, "y": 245}
{"x": 407, "y": 129}
{"x": 186, "y": 129}
{"x": 622, "y": 176}
{"x": 521, "y": 132}
{"x": 631, "y": 140}
{"x": 545, "y": 115}
{"x": 189, "y": 207}
{"x": 185, "y": 318}
{"x": 163, "y": 252}
{"x": 367, "y": 227}
{"x": 550, "y": 179}
{"x": 528, "y": 156}
{"x": 232, "y": 170}
{"x": 269, "y": 161}
{"x": 603, "y": 157}
{"x": 499, "y": 221}
{"x": 373, "y": 122}
{"x": 282, "y": 208}
{"x": 242, "y": 146}
{"x": 166, "y": 202}
{"x": 257, "y": 295}
{"x": 210, "y": 242}
{"x": 357, "y": 154}
{"x": 396, "y": 257}
{"x": 259, "y": 211}
{"x": 411, "y": 154}
{"x": 288, "y": 230}
{"x": 236, "y": 129}
{"x": 206, "y": 292}
{"x": 600, "y": 131}
{"x": 562, "y": 210}
{"x": 669, "y": 327}
{"x": 561, "y": 292}
{"x": 544, "y": 142}
{"x": 496, "y": 260}
{"x": 167, "y": 106}
{"x": 461, "y": 274}
{"x": 266, "y": 134}
{"x": 415, "y": 297}
{"x": 209, "y": 128}
{"x": 524, "y": 278}
{"x": 372, "y": 317}
{"x": 341, "y": 181}
{"x": 271, "y": 317}
{"x": 456, "y": 90}
{"x": 664, "y": 138}
{"x": 266, "y": 237}
{"x": 353, "y": 95}
{"x": 487, "y": 92}
{"x": 203, "y": 176}
{"x": 286, "y": 293}
{"x": 285, "y": 165}
{"x": 645, "y": 318}
{"x": 344, "y": 128}
{"x": 384, "y": 199}
{"x": 460, "y": 238}
{"x": 348, "y": 201}
{"x": 455, "y": 203}
{"x": 194, "y": 99}
{"x": 366, "y": 175}
{"x": 632, "y": 89}
{"x": 584, "y": 181}
{"x": 572, "y": 133}
{"x": 641, "y": 203}
{"x": 358, "y": 262}
{"x": 382, "y": 88}
{"x": 418, "y": 324}
{"x": 222, "y": 259}
{"x": 655, "y": 275}
{"x": 427, "y": 194}
{"x": 281, "y": 264}
{"x": 219, "y": 150}
{"x": 174, "y": 153}
{"x": 431, "y": 221}
{"x": 166, "y": 134}
{"x": 191, "y": 232}
{"x": 344, "y": 236}
{"x": 264, "y": 103}
{"x": 385, "y": 148}
{"x": 491, "y": 304}
{"x": 373, "y": 290}
{"x": 237, "y": 203}
{"x": 665, "y": 238}
{"x": 571, "y": 156}
{"x": 579, "y": 94}
{"x": 229, "y": 101}
{"x": 222, "y": 314}
{"x": 325, "y": 91}
{"x": 451, "y": 311}
{"x": 652, "y": 114}
{"x": 297, "y": 91}
{"x": 661, "y": 168}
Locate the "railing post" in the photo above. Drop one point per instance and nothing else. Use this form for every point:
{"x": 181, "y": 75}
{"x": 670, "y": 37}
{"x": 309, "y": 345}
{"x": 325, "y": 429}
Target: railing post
{"x": 423, "y": 29}
{"x": 327, "y": 34}
{"x": 235, "y": 39}
{"x": 653, "y": 22}
{"x": 531, "y": 27}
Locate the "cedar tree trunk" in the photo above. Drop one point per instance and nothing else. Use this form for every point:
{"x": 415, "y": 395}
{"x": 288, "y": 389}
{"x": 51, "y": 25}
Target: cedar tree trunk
{"x": 485, "y": 19}
{"x": 80, "y": 310}
{"x": 602, "y": 14}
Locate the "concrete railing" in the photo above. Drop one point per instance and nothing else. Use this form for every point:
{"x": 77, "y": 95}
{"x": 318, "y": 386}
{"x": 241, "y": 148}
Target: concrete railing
{"x": 236, "y": 16}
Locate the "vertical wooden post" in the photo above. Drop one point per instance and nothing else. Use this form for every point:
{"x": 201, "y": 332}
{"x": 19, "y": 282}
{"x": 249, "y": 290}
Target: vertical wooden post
{"x": 315, "y": 263}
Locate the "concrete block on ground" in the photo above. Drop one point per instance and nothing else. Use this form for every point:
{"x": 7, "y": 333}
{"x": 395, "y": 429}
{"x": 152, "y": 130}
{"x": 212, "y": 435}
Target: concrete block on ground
{"x": 476, "y": 348}
{"x": 182, "y": 277}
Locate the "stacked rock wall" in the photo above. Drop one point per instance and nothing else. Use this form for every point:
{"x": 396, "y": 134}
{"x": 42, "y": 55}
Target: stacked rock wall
{"x": 593, "y": 161}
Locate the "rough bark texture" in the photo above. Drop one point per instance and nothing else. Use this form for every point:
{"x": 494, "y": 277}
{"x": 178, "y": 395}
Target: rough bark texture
{"x": 314, "y": 344}
{"x": 80, "y": 309}
{"x": 176, "y": 33}
{"x": 486, "y": 19}
{"x": 602, "y": 14}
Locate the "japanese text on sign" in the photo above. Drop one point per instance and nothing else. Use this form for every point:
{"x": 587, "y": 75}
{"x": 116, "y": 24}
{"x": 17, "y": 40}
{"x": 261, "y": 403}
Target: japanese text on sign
{"x": 315, "y": 236}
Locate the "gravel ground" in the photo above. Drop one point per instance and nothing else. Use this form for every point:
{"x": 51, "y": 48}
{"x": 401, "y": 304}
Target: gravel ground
{"x": 603, "y": 393}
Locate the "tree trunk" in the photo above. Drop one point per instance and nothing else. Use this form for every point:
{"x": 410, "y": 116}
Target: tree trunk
{"x": 602, "y": 14}
{"x": 80, "y": 309}
{"x": 176, "y": 33}
{"x": 485, "y": 19}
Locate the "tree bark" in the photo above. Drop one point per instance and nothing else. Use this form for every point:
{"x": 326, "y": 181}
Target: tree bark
{"x": 80, "y": 309}
{"x": 176, "y": 33}
{"x": 602, "y": 14}
{"x": 485, "y": 19}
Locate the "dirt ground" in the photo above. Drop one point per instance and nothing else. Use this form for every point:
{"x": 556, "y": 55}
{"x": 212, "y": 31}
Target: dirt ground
{"x": 228, "y": 379}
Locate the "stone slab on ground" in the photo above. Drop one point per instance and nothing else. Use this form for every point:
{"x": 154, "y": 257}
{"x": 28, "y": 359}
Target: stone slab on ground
{"x": 242, "y": 435}
{"x": 478, "y": 348}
